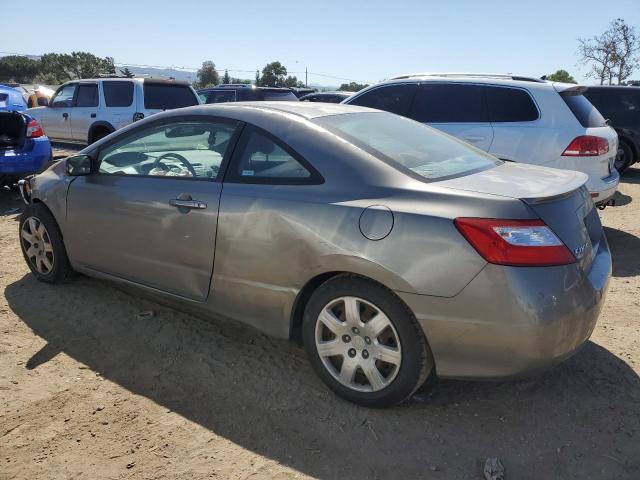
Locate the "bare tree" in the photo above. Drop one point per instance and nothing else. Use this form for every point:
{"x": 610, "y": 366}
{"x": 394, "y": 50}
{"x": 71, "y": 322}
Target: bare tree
{"x": 612, "y": 55}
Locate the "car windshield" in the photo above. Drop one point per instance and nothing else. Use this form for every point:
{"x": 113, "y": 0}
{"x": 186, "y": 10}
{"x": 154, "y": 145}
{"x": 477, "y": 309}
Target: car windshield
{"x": 409, "y": 146}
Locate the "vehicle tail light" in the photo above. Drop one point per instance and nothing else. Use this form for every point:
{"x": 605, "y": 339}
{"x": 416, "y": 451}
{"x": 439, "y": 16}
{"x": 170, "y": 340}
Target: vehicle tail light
{"x": 34, "y": 130}
{"x": 138, "y": 116}
{"x": 518, "y": 243}
{"x": 586, "y": 146}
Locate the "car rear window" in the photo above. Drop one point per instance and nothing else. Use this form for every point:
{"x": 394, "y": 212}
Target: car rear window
{"x": 118, "y": 94}
{"x": 616, "y": 105}
{"x": 248, "y": 95}
{"x": 446, "y": 103}
{"x": 587, "y": 114}
{"x": 390, "y": 98}
{"x": 159, "y": 96}
{"x": 510, "y": 105}
{"x": 411, "y": 147}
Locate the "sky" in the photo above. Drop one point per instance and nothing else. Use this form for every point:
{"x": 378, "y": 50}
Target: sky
{"x": 364, "y": 41}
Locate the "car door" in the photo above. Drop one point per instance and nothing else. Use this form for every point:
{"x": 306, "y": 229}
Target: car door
{"x": 518, "y": 136}
{"x": 268, "y": 189}
{"x": 84, "y": 111}
{"x": 149, "y": 212}
{"x": 458, "y": 109}
{"x": 56, "y": 123}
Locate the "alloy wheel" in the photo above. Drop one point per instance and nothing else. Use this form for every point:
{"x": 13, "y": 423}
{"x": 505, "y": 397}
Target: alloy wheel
{"x": 37, "y": 245}
{"x": 358, "y": 344}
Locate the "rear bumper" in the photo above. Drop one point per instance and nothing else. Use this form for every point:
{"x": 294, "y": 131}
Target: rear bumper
{"x": 603, "y": 189}
{"x": 31, "y": 158}
{"x": 510, "y": 321}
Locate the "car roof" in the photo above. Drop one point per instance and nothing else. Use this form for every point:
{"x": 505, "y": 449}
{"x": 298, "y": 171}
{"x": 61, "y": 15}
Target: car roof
{"x": 477, "y": 78}
{"x": 129, "y": 79}
{"x": 307, "y": 110}
{"x": 228, "y": 86}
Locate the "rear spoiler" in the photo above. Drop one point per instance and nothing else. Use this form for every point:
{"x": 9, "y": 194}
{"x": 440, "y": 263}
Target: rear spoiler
{"x": 569, "y": 89}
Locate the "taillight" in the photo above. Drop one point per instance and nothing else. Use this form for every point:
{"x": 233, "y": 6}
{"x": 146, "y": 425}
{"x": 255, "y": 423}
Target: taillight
{"x": 138, "y": 116}
{"x": 518, "y": 243}
{"x": 34, "y": 130}
{"x": 586, "y": 146}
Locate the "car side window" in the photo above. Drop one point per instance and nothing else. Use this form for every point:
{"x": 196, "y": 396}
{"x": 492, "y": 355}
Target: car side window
{"x": 118, "y": 93}
{"x": 87, "y": 95}
{"x": 188, "y": 149}
{"x": 449, "y": 103}
{"x": 510, "y": 105}
{"x": 262, "y": 159}
{"x": 64, "y": 96}
{"x": 390, "y": 98}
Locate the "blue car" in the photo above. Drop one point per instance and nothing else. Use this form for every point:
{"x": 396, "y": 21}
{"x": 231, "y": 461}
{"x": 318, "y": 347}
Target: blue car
{"x": 24, "y": 148}
{"x": 11, "y": 100}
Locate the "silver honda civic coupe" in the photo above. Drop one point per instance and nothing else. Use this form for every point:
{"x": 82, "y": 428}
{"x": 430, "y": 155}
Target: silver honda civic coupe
{"x": 391, "y": 250}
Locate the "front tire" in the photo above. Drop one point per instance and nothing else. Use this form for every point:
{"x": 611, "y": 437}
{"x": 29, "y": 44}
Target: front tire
{"x": 364, "y": 342}
{"x": 42, "y": 245}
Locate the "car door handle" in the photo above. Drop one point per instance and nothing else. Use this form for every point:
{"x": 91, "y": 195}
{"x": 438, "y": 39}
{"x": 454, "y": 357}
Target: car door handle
{"x": 177, "y": 202}
{"x": 93, "y": 115}
{"x": 65, "y": 115}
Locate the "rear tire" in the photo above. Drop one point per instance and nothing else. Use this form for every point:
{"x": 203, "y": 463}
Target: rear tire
{"x": 624, "y": 158}
{"x": 42, "y": 245}
{"x": 99, "y": 134}
{"x": 364, "y": 342}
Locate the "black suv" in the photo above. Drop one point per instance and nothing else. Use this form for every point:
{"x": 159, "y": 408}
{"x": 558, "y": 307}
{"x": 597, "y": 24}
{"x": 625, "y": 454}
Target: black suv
{"x": 621, "y": 106}
{"x": 244, "y": 93}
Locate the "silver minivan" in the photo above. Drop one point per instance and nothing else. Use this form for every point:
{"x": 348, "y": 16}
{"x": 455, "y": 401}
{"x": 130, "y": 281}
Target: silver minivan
{"x": 84, "y": 111}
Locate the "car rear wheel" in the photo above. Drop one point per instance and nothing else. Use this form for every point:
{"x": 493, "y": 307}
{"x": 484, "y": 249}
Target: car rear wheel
{"x": 364, "y": 342}
{"x": 624, "y": 158}
{"x": 42, "y": 245}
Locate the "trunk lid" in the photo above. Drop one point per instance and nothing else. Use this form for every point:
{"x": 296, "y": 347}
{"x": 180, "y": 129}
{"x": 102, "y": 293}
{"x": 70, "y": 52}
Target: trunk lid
{"x": 13, "y": 128}
{"x": 558, "y": 197}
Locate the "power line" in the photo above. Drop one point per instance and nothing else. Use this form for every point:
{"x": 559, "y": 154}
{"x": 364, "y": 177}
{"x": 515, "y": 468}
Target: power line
{"x": 194, "y": 69}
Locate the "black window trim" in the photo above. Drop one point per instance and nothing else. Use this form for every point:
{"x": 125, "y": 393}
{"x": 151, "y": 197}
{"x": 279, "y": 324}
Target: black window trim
{"x": 315, "y": 178}
{"x": 512, "y": 87}
{"x": 233, "y": 141}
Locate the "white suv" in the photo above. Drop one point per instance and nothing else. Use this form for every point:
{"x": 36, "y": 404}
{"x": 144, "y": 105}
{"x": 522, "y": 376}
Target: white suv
{"x": 517, "y": 119}
{"x": 84, "y": 111}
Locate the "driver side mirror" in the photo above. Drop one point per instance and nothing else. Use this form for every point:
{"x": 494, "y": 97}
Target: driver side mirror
{"x": 78, "y": 165}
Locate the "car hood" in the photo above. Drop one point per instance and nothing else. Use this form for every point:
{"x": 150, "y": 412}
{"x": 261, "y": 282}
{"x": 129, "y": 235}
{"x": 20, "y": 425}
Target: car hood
{"x": 521, "y": 181}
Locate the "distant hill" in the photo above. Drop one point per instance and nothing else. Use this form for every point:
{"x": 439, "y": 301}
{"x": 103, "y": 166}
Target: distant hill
{"x": 186, "y": 75}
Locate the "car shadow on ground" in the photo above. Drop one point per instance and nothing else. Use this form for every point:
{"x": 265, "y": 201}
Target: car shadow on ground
{"x": 631, "y": 175}
{"x": 624, "y": 252}
{"x": 581, "y": 418}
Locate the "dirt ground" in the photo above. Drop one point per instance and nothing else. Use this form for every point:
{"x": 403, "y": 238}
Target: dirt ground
{"x": 90, "y": 390}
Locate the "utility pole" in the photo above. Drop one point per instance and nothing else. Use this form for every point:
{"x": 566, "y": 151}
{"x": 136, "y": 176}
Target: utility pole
{"x": 306, "y": 83}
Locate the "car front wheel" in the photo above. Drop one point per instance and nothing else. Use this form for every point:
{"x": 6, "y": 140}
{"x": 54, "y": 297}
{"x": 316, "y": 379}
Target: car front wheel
{"x": 364, "y": 342}
{"x": 42, "y": 245}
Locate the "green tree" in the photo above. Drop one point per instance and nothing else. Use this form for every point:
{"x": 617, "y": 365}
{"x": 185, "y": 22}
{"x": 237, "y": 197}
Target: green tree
{"x": 273, "y": 75}
{"x": 226, "y": 78}
{"x": 207, "y": 75}
{"x": 352, "y": 86}
{"x": 19, "y": 69}
{"x": 65, "y": 67}
{"x": 612, "y": 55}
{"x": 257, "y": 82}
{"x": 240, "y": 80}
{"x": 560, "y": 76}
{"x": 293, "y": 82}
{"x": 125, "y": 72}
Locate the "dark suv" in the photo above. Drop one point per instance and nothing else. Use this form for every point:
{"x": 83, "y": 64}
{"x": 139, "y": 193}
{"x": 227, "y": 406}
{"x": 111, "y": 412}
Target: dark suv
{"x": 244, "y": 93}
{"x": 621, "y": 106}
